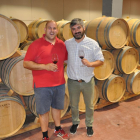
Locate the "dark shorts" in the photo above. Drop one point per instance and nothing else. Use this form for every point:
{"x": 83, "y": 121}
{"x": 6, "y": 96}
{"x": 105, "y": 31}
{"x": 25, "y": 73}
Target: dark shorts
{"x": 47, "y": 97}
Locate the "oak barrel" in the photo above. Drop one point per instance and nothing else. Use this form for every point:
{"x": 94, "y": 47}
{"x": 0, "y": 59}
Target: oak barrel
{"x": 9, "y": 37}
{"x": 25, "y": 45}
{"x": 82, "y": 107}
{"x": 109, "y": 32}
{"x": 126, "y": 60}
{"x": 22, "y": 29}
{"x": 12, "y": 115}
{"x": 132, "y": 82}
{"x": 15, "y": 76}
{"x": 112, "y": 89}
{"x": 138, "y": 49}
{"x": 66, "y": 79}
{"x": 36, "y": 29}
{"x": 64, "y": 31}
{"x": 134, "y": 32}
{"x": 104, "y": 71}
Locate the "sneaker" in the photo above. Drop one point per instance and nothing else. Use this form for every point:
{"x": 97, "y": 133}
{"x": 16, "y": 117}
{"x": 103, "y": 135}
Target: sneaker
{"x": 45, "y": 138}
{"x": 89, "y": 131}
{"x": 73, "y": 129}
{"x": 61, "y": 133}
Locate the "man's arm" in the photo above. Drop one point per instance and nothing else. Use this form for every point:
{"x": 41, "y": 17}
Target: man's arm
{"x": 92, "y": 64}
{"x": 35, "y": 66}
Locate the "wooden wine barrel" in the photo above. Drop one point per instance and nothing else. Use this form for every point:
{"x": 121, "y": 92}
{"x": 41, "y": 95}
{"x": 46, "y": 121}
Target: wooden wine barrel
{"x": 12, "y": 115}
{"x": 112, "y": 89}
{"x": 104, "y": 71}
{"x": 132, "y": 82}
{"x": 65, "y": 72}
{"x": 109, "y": 32}
{"x": 9, "y": 37}
{"x": 15, "y": 76}
{"x": 66, "y": 78}
{"x": 82, "y": 107}
{"x": 134, "y": 32}
{"x": 30, "y": 102}
{"x": 25, "y": 45}
{"x": 64, "y": 31}
{"x": 3, "y": 88}
{"x": 126, "y": 60}
{"x": 138, "y": 49}
{"x": 36, "y": 28}
{"x": 22, "y": 29}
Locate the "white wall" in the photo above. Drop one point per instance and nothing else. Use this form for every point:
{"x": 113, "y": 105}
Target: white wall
{"x": 131, "y": 8}
{"x": 29, "y": 10}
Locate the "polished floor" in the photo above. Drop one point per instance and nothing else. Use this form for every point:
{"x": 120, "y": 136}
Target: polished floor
{"x": 119, "y": 121}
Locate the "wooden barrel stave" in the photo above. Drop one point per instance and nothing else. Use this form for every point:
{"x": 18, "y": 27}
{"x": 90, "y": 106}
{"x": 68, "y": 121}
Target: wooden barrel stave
{"x": 25, "y": 45}
{"x": 132, "y": 82}
{"x": 126, "y": 59}
{"x": 12, "y": 114}
{"x": 138, "y": 49}
{"x": 134, "y": 31}
{"x": 36, "y": 28}
{"x": 16, "y": 77}
{"x": 112, "y": 89}
{"x": 9, "y": 38}
{"x": 30, "y": 34}
{"x": 104, "y": 71}
{"x": 109, "y": 32}
{"x": 64, "y": 31}
{"x": 22, "y": 29}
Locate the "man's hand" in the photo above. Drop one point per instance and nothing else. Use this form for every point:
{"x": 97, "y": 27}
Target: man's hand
{"x": 86, "y": 62}
{"x": 51, "y": 67}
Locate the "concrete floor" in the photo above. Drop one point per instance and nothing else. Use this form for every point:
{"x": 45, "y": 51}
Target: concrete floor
{"x": 119, "y": 121}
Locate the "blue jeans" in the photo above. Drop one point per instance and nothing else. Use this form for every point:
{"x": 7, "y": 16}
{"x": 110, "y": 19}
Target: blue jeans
{"x": 87, "y": 89}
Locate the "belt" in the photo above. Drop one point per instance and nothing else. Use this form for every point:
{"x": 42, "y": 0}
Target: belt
{"x": 79, "y": 80}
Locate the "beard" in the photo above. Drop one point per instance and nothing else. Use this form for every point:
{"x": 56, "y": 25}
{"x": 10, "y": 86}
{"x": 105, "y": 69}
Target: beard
{"x": 79, "y": 35}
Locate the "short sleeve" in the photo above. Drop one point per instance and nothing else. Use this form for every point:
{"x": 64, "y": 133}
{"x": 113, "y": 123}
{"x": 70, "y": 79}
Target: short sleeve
{"x": 31, "y": 52}
{"x": 98, "y": 55}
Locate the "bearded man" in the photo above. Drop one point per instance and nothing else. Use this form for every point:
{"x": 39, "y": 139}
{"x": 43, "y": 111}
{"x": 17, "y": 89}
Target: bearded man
{"x": 80, "y": 73}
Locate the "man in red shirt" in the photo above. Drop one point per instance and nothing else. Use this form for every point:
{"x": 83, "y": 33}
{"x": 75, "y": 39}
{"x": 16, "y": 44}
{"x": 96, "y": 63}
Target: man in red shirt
{"x": 48, "y": 77}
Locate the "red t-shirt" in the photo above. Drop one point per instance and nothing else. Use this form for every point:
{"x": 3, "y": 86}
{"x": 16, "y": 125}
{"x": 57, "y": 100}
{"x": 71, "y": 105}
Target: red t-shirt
{"x": 40, "y": 51}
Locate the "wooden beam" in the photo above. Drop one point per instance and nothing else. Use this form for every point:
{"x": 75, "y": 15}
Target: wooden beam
{"x": 16, "y": 54}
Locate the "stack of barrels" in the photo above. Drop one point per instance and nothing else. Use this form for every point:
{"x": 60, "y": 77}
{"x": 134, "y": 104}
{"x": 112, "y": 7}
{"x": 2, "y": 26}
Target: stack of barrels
{"x": 120, "y": 73}
{"x": 117, "y": 37}
{"x": 12, "y": 111}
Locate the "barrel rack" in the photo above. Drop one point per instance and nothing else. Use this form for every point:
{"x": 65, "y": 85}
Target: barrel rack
{"x": 32, "y": 122}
